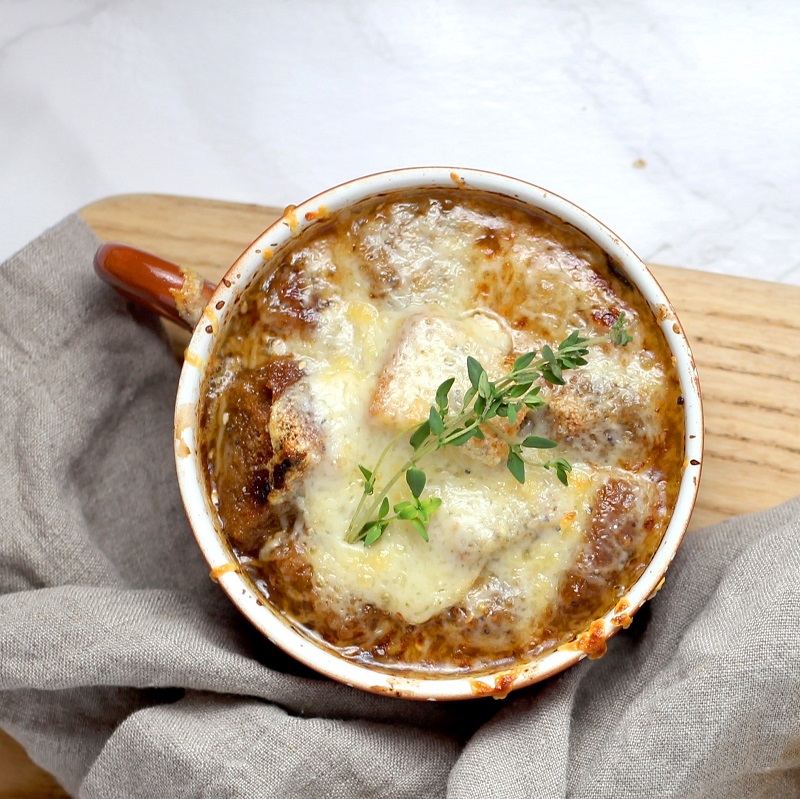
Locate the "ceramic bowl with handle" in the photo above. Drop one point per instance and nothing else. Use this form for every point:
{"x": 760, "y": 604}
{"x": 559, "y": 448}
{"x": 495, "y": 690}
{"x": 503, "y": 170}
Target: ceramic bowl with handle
{"x": 183, "y": 295}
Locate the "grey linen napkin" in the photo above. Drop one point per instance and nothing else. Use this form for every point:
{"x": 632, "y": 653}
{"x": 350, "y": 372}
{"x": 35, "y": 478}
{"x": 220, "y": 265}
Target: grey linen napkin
{"x": 126, "y": 672}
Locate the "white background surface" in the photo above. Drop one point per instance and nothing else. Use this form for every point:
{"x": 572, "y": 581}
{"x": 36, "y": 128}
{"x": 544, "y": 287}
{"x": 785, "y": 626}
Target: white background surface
{"x": 676, "y": 122}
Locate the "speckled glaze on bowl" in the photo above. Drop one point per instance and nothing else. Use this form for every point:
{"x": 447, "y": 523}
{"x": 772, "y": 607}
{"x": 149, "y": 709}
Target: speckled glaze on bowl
{"x": 224, "y": 566}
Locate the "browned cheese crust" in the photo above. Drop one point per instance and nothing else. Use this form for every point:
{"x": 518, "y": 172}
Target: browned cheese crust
{"x": 256, "y": 463}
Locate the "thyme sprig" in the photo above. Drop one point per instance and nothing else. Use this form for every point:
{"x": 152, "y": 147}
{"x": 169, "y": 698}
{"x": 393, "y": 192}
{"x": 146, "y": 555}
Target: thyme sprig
{"x": 507, "y": 398}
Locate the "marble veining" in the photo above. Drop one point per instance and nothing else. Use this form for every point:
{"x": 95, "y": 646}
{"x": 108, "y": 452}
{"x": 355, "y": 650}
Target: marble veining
{"x": 676, "y": 123}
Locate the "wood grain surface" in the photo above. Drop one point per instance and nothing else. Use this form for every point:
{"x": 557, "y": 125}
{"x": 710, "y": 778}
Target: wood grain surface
{"x": 744, "y": 334}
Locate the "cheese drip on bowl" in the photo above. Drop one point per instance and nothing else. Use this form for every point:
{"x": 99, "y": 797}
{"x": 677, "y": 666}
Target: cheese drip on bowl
{"x": 339, "y": 348}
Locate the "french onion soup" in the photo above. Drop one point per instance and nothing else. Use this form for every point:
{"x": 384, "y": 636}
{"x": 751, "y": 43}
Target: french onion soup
{"x": 442, "y": 433}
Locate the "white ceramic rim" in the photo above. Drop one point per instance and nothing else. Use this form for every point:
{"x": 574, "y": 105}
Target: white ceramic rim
{"x": 201, "y": 513}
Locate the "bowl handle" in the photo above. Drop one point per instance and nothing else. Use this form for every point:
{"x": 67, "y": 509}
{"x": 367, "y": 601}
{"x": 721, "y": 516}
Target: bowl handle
{"x": 173, "y": 291}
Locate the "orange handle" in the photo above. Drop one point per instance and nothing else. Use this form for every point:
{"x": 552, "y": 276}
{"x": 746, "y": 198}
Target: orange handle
{"x": 170, "y": 290}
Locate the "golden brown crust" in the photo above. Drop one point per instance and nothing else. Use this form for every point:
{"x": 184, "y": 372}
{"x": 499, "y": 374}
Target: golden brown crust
{"x": 260, "y": 440}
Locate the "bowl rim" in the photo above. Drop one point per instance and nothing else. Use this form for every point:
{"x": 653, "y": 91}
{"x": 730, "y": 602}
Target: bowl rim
{"x": 225, "y": 568}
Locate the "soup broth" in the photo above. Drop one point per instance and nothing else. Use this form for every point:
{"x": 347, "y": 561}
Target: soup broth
{"x": 338, "y": 348}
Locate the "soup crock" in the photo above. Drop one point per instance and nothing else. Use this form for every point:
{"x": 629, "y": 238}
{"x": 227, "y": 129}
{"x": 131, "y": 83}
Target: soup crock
{"x": 170, "y": 289}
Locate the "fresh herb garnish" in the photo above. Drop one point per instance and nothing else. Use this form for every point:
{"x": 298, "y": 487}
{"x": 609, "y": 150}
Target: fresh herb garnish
{"x": 513, "y": 394}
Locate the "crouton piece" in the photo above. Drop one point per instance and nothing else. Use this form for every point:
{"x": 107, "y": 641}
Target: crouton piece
{"x": 430, "y": 349}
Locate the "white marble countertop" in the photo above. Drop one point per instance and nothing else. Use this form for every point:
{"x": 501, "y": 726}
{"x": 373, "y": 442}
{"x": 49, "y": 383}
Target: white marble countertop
{"x": 675, "y": 122}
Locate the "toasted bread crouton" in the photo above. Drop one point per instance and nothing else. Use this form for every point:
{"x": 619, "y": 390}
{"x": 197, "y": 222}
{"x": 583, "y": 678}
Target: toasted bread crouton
{"x": 427, "y": 351}
{"x": 296, "y": 441}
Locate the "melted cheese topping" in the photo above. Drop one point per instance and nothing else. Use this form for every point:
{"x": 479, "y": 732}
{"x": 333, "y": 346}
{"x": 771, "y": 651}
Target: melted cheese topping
{"x": 401, "y": 293}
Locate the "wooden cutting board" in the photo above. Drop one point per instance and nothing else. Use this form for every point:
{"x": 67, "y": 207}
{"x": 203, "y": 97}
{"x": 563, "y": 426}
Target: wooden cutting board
{"x": 743, "y": 334}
